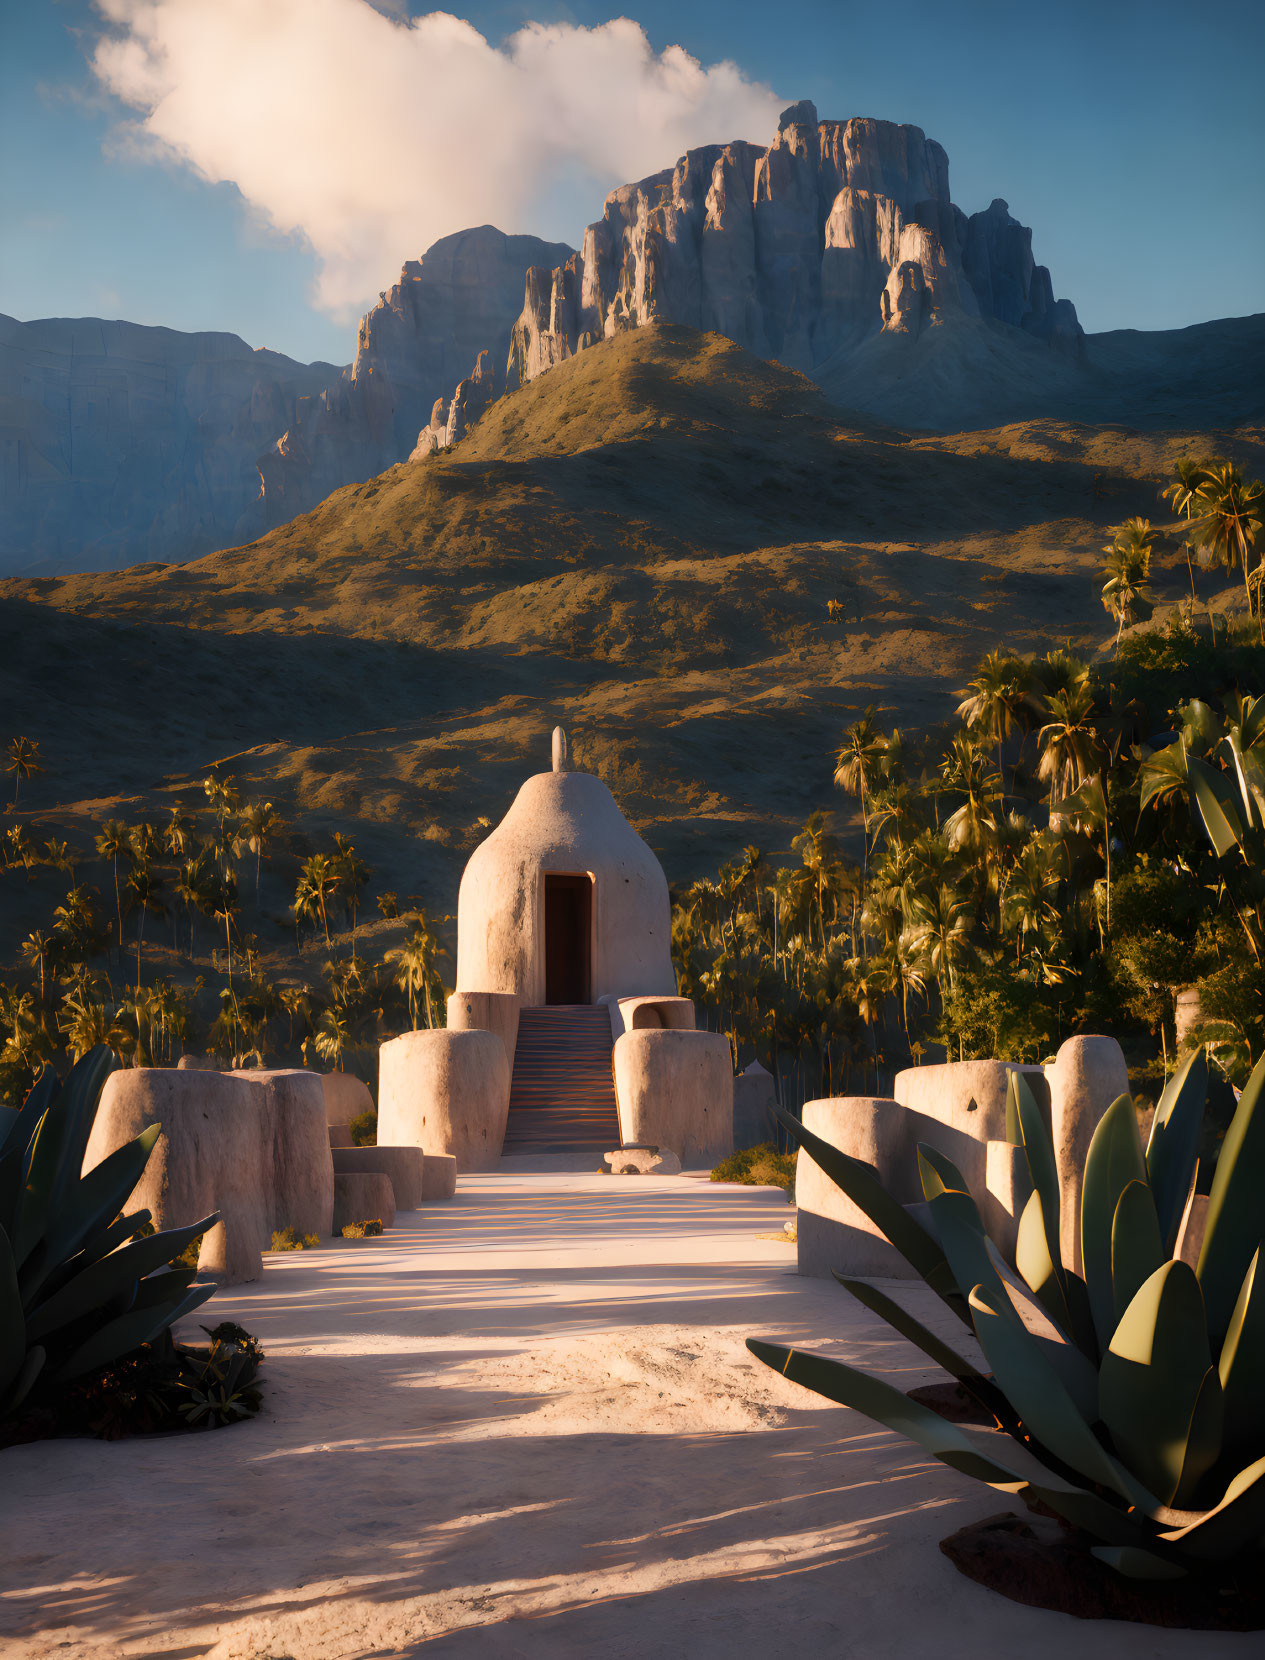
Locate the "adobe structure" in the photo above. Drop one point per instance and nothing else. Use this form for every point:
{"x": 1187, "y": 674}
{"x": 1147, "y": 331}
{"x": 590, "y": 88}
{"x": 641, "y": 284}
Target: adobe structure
{"x": 565, "y": 1033}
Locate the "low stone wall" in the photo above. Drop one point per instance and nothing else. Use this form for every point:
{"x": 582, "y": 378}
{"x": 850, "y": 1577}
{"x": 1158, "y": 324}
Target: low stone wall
{"x": 486, "y": 1011}
{"x": 675, "y": 1089}
{"x": 754, "y": 1100}
{"x": 445, "y": 1092}
{"x": 831, "y": 1231}
{"x": 346, "y": 1097}
{"x": 404, "y": 1166}
{"x": 301, "y": 1175}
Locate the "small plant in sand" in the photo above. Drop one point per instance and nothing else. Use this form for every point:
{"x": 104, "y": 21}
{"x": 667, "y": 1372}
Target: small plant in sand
{"x": 290, "y": 1239}
{"x": 363, "y": 1230}
{"x": 1126, "y": 1401}
{"x": 364, "y": 1129}
{"x": 761, "y": 1166}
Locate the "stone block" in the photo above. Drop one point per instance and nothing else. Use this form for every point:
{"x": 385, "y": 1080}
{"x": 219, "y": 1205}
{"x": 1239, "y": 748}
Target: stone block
{"x": 301, "y": 1173}
{"x": 439, "y": 1176}
{"x": 675, "y": 1089}
{"x": 445, "y": 1092}
{"x": 637, "y": 1014}
{"x": 486, "y": 1011}
{"x": 1087, "y": 1075}
{"x": 363, "y": 1196}
{"x": 346, "y": 1097}
{"x": 1190, "y": 1234}
{"x": 754, "y": 1100}
{"x": 215, "y": 1153}
{"x": 1006, "y": 1192}
{"x": 340, "y": 1135}
{"x": 642, "y": 1161}
{"x": 404, "y": 1165}
{"x": 832, "y": 1233}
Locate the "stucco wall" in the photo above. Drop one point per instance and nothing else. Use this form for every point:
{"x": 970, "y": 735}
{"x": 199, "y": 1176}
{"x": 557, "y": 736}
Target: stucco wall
{"x": 566, "y": 823}
{"x": 445, "y": 1092}
{"x": 486, "y": 1011}
{"x": 674, "y": 1089}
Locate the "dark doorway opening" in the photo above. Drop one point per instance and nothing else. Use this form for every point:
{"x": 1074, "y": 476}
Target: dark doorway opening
{"x": 568, "y": 920}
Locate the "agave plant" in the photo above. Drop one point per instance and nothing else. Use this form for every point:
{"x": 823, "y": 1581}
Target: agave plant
{"x": 1128, "y": 1400}
{"x": 80, "y": 1284}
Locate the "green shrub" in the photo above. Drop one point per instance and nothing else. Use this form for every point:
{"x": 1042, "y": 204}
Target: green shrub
{"x": 1127, "y": 1400}
{"x": 363, "y": 1230}
{"x": 289, "y": 1239}
{"x": 80, "y": 1285}
{"x": 761, "y": 1166}
{"x": 364, "y": 1129}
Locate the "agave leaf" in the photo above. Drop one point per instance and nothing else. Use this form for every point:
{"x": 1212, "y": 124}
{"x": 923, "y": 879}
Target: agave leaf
{"x": 990, "y": 1456}
{"x": 1214, "y": 799}
{"x": 111, "y": 1276}
{"x": 975, "y": 1261}
{"x": 12, "y": 1319}
{"x": 99, "y": 1196}
{"x": 892, "y": 1220}
{"x": 1235, "y": 1226}
{"x": 938, "y": 1174}
{"x": 1014, "y": 1135}
{"x": 1137, "y": 1564}
{"x": 1113, "y": 1161}
{"x": 1136, "y": 1248}
{"x": 1204, "y": 1435}
{"x": 903, "y": 1322}
{"x": 1039, "y": 1148}
{"x": 1242, "y": 1366}
{"x": 77, "y": 1105}
{"x": 1033, "y": 1260}
{"x": 1152, "y": 1375}
{"x": 20, "y": 1388}
{"x": 1230, "y": 1527}
{"x": 164, "y": 1287}
{"x": 31, "y": 1211}
{"x": 1173, "y": 1147}
{"x": 12, "y": 1164}
{"x": 8, "y": 1122}
{"x": 32, "y": 1109}
{"x": 1045, "y": 1407}
{"x": 100, "y": 1244}
{"x": 128, "y": 1331}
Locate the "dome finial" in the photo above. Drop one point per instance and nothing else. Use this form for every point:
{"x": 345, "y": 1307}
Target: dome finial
{"x": 561, "y": 751}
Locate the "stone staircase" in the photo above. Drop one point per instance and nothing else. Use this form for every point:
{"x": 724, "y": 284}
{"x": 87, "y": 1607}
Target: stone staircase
{"x": 562, "y": 1097}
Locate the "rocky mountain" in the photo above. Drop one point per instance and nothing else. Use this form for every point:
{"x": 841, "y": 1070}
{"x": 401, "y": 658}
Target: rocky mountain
{"x": 120, "y": 442}
{"x": 838, "y": 232}
{"x": 424, "y": 336}
{"x": 643, "y": 544}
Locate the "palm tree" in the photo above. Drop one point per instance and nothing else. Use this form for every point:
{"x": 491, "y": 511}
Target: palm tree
{"x": 115, "y": 838}
{"x": 195, "y": 888}
{"x": 333, "y": 1036}
{"x": 416, "y": 966}
{"x": 225, "y": 906}
{"x": 42, "y": 951}
{"x": 1128, "y": 568}
{"x": 85, "y": 1023}
{"x": 260, "y": 823}
{"x": 859, "y": 761}
{"x": 317, "y": 880}
{"x": 144, "y": 890}
{"x": 973, "y": 826}
{"x": 1181, "y": 496}
{"x": 19, "y": 839}
{"x": 178, "y": 830}
{"x": 23, "y": 762}
{"x": 997, "y": 699}
{"x": 1227, "y": 519}
{"x": 1069, "y": 743}
{"x": 350, "y": 874}
{"x": 61, "y": 856}
{"x": 940, "y": 932}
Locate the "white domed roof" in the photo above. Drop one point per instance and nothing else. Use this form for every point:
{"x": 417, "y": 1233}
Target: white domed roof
{"x": 564, "y": 823}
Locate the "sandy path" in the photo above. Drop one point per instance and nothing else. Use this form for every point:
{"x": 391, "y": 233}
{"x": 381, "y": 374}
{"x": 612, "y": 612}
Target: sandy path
{"x": 524, "y": 1424}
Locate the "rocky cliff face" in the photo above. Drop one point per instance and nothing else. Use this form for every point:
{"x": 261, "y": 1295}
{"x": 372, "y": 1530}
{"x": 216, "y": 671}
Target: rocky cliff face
{"x": 121, "y": 443}
{"x": 424, "y": 335}
{"x": 839, "y": 231}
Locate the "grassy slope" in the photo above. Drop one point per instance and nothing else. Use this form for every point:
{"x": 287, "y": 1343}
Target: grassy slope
{"x": 641, "y": 544}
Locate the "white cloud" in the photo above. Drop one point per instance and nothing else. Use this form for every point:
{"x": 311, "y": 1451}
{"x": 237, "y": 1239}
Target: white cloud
{"x": 373, "y": 136}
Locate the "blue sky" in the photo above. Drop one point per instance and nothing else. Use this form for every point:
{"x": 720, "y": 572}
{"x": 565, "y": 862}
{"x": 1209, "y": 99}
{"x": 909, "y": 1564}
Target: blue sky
{"x": 1131, "y": 136}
